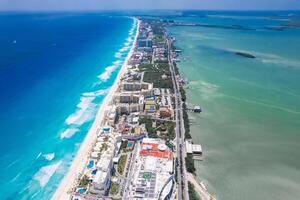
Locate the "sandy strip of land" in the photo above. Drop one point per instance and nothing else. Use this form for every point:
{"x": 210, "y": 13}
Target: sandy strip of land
{"x": 81, "y": 159}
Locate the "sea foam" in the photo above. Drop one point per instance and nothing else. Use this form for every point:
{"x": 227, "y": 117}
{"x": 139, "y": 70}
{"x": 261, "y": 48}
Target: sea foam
{"x": 68, "y": 133}
{"x": 84, "y": 113}
{"x": 96, "y": 93}
{"x": 107, "y": 73}
{"x": 45, "y": 173}
{"x": 118, "y": 54}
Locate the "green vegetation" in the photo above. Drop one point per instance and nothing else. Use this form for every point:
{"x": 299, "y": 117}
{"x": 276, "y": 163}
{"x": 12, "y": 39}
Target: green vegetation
{"x": 176, "y": 175}
{"x": 153, "y": 74}
{"x": 103, "y": 147}
{"x": 183, "y": 95}
{"x": 147, "y": 175}
{"x": 189, "y": 162}
{"x": 124, "y": 144}
{"x": 148, "y": 123}
{"x": 170, "y": 145}
{"x": 122, "y": 163}
{"x": 193, "y": 195}
{"x": 158, "y": 38}
{"x": 186, "y": 122}
{"x": 114, "y": 188}
{"x": 167, "y": 130}
{"x": 176, "y": 68}
{"x": 84, "y": 181}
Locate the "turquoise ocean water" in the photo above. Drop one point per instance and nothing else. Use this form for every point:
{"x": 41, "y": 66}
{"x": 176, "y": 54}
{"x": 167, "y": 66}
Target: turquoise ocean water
{"x": 250, "y": 125}
{"x": 55, "y": 70}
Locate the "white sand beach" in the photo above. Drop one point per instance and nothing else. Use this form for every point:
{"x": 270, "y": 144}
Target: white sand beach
{"x": 81, "y": 159}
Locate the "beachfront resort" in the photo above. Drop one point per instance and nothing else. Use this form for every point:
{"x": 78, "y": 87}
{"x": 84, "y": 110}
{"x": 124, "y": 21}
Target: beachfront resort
{"x": 134, "y": 153}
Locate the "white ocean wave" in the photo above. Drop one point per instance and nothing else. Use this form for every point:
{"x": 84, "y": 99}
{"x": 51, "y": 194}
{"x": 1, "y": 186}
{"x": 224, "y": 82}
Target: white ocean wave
{"x": 125, "y": 48}
{"x": 118, "y": 54}
{"x": 96, "y": 93}
{"x": 129, "y": 39}
{"x": 49, "y": 156}
{"x": 84, "y": 113}
{"x": 107, "y": 73}
{"x": 45, "y": 173}
{"x": 68, "y": 133}
{"x": 127, "y": 44}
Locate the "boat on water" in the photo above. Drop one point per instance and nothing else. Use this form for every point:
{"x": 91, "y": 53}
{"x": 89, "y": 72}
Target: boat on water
{"x": 197, "y": 109}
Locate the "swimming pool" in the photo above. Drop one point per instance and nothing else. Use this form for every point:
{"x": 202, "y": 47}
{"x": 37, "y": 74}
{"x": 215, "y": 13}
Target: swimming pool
{"x": 130, "y": 144}
{"x": 81, "y": 190}
{"x": 90, "y": 164}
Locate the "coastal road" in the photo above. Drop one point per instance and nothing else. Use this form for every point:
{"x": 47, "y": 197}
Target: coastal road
{"x": 181, "y": 169}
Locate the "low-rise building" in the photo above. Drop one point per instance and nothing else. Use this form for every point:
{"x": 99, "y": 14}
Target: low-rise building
{"x": 193, "y": 149}
{"x": 153, "y": 177}
{"x": 150, "y": 105}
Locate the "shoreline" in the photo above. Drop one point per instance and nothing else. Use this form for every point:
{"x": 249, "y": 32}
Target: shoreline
{"x": 81, "y": 158}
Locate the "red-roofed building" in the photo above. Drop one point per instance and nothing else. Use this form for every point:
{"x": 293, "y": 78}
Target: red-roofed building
{"x": 155, "y": 150}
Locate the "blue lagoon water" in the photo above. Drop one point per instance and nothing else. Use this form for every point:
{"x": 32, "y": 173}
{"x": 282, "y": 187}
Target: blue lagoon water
{"x": 55, "y": 70}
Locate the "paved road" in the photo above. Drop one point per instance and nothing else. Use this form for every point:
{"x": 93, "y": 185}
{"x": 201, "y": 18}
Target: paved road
{"x": 130, "y": 172}
{"x": 181, "y": 169}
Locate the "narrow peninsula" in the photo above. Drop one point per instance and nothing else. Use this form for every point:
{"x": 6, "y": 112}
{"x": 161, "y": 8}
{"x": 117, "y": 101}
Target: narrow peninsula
{"x": 140, "y": 144}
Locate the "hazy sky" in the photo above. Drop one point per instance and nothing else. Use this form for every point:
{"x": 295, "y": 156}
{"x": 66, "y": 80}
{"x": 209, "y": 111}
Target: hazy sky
{"x": 148, "y": 4}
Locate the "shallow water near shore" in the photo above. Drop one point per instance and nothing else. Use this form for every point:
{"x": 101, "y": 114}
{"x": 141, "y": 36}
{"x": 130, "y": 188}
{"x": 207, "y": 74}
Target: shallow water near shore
{"x": 250, "y": 125}
{"x": 55, "y": 70}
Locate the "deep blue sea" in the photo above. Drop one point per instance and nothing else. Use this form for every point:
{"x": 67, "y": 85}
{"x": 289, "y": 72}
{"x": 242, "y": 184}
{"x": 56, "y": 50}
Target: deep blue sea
{"x": 55, "y": 70}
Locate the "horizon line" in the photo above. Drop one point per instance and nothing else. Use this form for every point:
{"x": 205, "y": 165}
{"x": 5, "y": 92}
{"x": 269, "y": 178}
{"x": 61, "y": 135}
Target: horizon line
{"x": 143, "y": 10}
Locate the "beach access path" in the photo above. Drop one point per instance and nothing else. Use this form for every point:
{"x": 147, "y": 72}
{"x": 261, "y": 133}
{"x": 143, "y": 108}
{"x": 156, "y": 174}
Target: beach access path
{"x": 64, "y": 192}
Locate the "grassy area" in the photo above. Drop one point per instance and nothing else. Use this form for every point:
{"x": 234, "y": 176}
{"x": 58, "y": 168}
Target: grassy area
{"x": 114, "y": 188}
{"x": 167, "y": 130}
{"x": 189, "y": 162}
{"x": 122, "y": 163}
{"x": 193, "y": 195}
{"x": 153, "y": 74}
{"x": 148, "y": 123}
